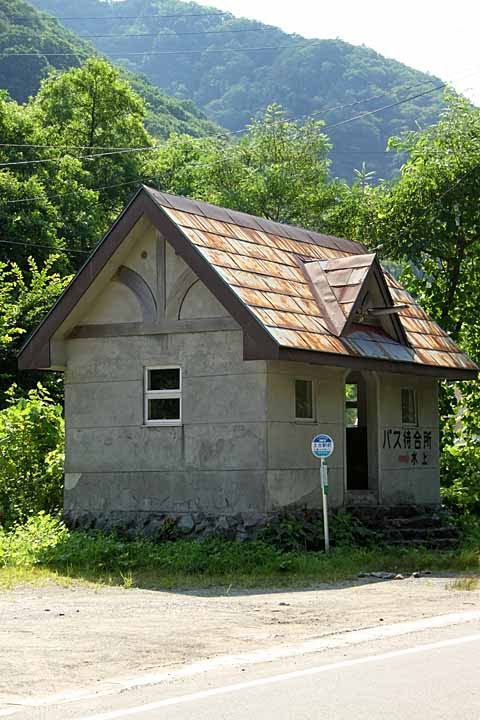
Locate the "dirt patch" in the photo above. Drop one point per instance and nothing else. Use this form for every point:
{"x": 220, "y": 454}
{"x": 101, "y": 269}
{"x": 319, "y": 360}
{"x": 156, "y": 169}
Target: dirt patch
{"x": 53, "y": 638}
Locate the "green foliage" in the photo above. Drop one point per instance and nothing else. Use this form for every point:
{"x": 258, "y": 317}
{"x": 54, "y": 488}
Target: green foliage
{"x": 278, "y": 169}
{"x": 299, "y": 532}
{"x": 34, "y": 542}
{"x": 45, "y": 543}
{"x": 25, "y": 297}
{"x": 23, "y": 29}
{"x": 31, "y": 455}
{"x": 331, "y": 78}
{"x": 460, "y": 460}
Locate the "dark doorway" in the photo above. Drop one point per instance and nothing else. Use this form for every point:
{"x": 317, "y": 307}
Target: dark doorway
{"x": 356, "y": 432}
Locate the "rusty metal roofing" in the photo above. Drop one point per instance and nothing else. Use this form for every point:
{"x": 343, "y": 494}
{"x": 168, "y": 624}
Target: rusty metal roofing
{"x": 261, "y": 271}
{"x": 266, "y": 265}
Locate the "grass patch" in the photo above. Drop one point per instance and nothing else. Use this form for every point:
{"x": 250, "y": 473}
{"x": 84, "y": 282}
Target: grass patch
{"x": 44, "y": 550}
{"x": 464, "y": 584}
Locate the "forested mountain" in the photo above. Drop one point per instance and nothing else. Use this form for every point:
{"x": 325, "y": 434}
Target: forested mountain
{"x": 202, "y": 54}
{"x": 23, "y": 29}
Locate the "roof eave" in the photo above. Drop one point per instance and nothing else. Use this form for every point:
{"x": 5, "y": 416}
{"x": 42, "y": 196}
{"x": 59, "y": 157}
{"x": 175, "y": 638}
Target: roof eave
{"x": 315, "y": 357}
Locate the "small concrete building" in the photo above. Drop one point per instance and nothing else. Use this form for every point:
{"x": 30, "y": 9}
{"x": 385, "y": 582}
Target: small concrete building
{"x": 203, "y": 348}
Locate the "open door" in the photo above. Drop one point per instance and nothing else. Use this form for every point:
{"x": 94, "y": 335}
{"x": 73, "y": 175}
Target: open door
{"x": 356, "y": 432}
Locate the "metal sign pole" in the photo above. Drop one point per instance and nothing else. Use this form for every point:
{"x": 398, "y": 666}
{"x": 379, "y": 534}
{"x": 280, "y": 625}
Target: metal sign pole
{"x": 323, "y": 447}
{"x": 324, "y": 483}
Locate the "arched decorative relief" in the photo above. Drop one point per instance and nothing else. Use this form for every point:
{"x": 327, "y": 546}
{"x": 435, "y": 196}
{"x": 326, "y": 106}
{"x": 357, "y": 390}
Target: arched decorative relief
{"x": 199, "y": 304}
{"x": 142, "y": 291}
{"x": 178, "y": 293}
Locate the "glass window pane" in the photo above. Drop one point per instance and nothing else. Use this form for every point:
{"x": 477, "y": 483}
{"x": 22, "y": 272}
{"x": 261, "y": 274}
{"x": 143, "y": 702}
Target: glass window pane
{"x": 303, "y": 399}
{"x": 164, "y": 409}
{"x": 351, "y": 392}
{"x": 351, "y": 416}
{"x": 409, "y": 406}
{"x": 164, "y": 379}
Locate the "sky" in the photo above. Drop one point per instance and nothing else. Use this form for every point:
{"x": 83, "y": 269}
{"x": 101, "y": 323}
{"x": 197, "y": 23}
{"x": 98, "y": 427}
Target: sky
{"x": 441, "y": 37}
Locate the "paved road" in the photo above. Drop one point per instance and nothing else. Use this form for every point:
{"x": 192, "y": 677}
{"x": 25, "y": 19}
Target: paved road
{"x": 432, "y": 674}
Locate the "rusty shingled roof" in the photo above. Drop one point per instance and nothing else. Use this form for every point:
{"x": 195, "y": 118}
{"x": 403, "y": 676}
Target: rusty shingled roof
{"x": 264, "y": 263}
{"x": 258, "y": 269}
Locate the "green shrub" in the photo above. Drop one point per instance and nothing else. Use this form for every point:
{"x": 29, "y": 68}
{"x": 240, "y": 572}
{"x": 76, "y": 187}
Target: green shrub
{"x": 294, "y": 532}
{"x": 301, "y": 532}
{"x": 31, "y": 455}
{"x": 461, "y": 478}
{"x": 35, "y": 542}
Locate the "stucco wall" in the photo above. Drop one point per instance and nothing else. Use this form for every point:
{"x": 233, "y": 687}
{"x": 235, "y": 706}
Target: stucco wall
{"x": 115, "y": 463}
{"x": 239, "y": 448}
{"x": 409, "y": 456}
{"x": 293, "y": 475}
{"x": 215, "y": 462}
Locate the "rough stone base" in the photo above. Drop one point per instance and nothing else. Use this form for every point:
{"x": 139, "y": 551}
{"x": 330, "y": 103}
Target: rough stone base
{"x": 163, "y": 526}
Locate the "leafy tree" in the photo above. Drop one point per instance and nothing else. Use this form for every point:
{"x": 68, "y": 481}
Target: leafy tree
{"x": 331, "y": 78}
{"x": 429, "y": 222}
{"x": 93, "y": 108}
{"x": 431, "y": 216}
{"x": 31, "y": 455}
{"x": 278, "y": 169}
{"x": 24, "y": 299}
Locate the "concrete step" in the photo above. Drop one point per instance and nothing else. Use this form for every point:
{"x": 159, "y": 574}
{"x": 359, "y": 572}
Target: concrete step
{"x": 434, "y": 544}
{"x": 419, "y": 521}
{"x": 414, "y": 525}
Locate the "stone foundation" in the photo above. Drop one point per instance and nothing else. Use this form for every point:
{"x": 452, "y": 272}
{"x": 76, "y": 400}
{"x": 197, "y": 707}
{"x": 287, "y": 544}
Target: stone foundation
{"x": 162, "y": 526}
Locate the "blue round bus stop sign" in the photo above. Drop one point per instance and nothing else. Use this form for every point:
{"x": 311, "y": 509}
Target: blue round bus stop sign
{"x": 322, "y": 446}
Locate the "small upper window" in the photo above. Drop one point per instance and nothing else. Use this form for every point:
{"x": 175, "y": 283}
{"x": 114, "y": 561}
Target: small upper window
{"x": 409, "y": 407}
{"x": 163, "y": 396}
{"x": 304, "y": 399}
{"x": 351, "y": 404}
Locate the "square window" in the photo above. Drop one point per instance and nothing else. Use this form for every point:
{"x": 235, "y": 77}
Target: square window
{"x": 304, "y": 399}
{"x": 409, "y": 407}
{"x": 164, "y": 408}
{"x": 163, "y": 396}
{"x": 164, "y": 379}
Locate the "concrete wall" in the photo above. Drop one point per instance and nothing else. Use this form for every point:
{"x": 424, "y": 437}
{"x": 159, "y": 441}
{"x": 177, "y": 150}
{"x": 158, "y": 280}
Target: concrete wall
{"x": 293, "y": 475}
{"x": 409, "y": 456}
{"x": 215, "y": 461}
{"x": 240, "y": 449}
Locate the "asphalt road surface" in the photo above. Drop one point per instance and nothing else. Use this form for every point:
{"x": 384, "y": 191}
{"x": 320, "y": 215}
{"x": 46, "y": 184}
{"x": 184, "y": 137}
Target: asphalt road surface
{"x": 429, "y": 674}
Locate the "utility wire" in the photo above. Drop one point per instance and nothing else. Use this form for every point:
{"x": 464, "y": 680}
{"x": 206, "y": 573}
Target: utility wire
{"x": 46, "y": 247}
{"x": 90, "y": 156}
{"x": 129, "y": 53}
{"x": 122, "y": 17}
{"x": 386, "y": 107}
{"x": 173, "y": 34}
{"x": 121, "y": 149}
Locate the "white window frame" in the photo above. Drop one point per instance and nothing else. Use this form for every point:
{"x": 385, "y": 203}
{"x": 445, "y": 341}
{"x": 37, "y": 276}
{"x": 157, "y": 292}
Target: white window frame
{"x": 415, "y": 401}
{"x": 304, "y": 419}
{"x": 161, "y": 395}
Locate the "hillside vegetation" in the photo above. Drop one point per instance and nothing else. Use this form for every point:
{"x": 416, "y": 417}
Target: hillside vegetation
{"x": 205, "y": 57}
{"x": 23, "y": 29}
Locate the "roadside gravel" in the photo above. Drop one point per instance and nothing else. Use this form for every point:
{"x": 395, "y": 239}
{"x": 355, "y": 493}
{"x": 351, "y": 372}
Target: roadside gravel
{"x": 54, "y": 639}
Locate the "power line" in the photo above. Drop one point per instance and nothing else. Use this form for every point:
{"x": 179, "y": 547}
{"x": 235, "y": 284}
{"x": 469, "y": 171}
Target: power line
{"x": 121, "y": 17}
{"x": 91, "y": 156}
{"x": 173, "y": 52}
{"x": 47, "y": 247}
{"x": 175, "y": 34}
{"x": 386, "y": 107}
{"x": 118, "y": 151}
{"x": 210, "y": 135}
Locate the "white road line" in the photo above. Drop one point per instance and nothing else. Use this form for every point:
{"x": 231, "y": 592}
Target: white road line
{"x": 331, "y": 642}
{"x": 192, "y": 697}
